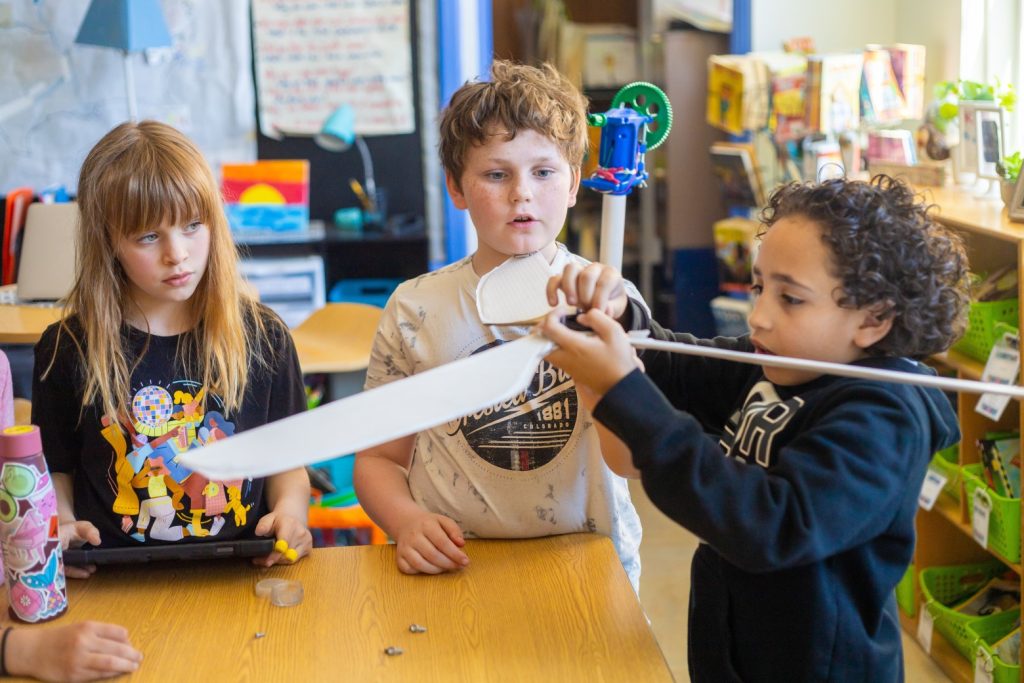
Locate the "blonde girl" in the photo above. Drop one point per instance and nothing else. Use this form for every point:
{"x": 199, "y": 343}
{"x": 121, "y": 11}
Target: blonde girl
{"x": 159, "y": 350}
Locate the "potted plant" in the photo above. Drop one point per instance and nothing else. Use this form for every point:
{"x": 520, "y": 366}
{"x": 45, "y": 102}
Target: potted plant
{"x": 941, "y": 120}
{"x": 1009, "y": 170}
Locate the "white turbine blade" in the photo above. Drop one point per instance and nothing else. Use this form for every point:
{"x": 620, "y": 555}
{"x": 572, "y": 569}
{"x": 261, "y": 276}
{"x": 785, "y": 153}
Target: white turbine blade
{"x": 515, "y": 291}
{"x": 840, "y": 369}
{"x": 453, "y": 390}
{"x": 376, "y": 416}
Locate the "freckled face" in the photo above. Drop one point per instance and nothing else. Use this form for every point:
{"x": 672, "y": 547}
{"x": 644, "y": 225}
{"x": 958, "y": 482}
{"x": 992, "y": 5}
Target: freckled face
{"x": 517, "y": 193}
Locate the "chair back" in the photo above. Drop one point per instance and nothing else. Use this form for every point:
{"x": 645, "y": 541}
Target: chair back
{"x": 337, "y": 337}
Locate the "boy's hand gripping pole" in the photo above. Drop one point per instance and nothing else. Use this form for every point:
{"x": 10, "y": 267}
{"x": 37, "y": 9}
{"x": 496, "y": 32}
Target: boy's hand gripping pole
{"x": 639, "y": 120}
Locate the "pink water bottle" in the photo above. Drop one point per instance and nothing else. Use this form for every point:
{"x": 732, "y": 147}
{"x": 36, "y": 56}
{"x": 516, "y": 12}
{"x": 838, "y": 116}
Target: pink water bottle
{"x": 28, "y": 529}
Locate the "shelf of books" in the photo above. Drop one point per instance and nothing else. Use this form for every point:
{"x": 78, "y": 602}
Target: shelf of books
{"x": 963, "y": 592}
{"x": 961, "y": 598}
{"x": 813, "y": 106}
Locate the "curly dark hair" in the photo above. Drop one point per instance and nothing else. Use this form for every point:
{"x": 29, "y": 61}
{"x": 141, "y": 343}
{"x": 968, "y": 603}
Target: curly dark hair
{"x": 889, "y": 253}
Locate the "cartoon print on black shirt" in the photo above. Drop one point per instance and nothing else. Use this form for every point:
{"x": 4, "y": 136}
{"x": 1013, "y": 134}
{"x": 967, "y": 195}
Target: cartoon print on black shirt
{"x": 156, "y": 497}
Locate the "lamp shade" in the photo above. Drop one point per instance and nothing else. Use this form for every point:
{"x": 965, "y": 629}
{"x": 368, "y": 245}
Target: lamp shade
{"x": 339, "y": 130}
{"x": 129, "y": 25}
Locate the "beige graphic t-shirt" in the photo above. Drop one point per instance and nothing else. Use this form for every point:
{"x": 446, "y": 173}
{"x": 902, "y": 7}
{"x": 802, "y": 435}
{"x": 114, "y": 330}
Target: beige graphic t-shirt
{"x": 530, "y": 466}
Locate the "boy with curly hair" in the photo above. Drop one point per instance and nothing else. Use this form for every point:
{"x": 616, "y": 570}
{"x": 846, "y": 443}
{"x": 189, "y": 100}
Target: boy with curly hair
{"x": 511, "y": 148}
{"x": 802, "y": 487}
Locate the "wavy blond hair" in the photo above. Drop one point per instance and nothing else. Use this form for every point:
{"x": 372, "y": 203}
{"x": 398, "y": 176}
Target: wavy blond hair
{"x": 517, "y": 97}
{"x": 136, "y": 178}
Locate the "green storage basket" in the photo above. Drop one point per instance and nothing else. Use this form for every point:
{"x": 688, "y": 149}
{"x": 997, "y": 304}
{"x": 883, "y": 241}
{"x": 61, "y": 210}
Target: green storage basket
{"x": 943, "y": 587}
{"x": 1003, "y": 521}
{"x": 905, "y": 592}
{"x": 988, "y": 631}
{"x": 981, "y": 334}
{"x": 947, "y": 463}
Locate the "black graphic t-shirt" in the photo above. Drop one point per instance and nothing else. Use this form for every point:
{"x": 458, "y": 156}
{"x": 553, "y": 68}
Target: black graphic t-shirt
{"x": 126, "y": 477}
{"x": 804, "y": 497}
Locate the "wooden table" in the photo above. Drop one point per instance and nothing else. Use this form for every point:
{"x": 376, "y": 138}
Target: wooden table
{"x": 552, "y": 609}
{"x": 25, "y": 324}
{"x": 321, "y": 348}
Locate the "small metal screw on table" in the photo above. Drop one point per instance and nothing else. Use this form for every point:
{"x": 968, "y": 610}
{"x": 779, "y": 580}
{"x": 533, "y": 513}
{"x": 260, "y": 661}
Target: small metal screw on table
{"x": 392, "y": 651}
{"x": 416, "y": 628}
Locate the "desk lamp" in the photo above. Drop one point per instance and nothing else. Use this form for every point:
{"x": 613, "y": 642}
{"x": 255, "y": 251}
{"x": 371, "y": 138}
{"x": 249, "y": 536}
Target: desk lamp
{"x": 129, "y": 26}
{"x": 339, "y": 134}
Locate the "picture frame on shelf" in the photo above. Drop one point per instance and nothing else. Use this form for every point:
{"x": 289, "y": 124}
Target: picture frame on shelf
{"x": 734, "y": 164}
{"x": 1015, "y": 209}
{"x": 969, "y": 150}
{"x": 990, "y": 142}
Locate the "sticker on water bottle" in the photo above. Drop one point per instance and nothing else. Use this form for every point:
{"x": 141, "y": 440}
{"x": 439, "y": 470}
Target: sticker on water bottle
{"x": 36, "y": 588}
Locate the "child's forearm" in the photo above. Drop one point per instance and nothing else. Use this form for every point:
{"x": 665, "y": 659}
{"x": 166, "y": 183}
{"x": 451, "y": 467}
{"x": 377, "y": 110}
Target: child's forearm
{"x": 20, "y": 651}
{"x": 288, "y": 494}
{"x": 382, "y": 487}
{"x": 616, "y": 454}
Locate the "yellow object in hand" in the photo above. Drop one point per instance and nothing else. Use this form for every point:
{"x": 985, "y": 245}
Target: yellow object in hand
{"x": 291, "y": 555}
{"x": 281, "y": 546}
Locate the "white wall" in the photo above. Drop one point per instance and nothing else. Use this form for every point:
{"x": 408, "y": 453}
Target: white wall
{"x": 847, "y": 25}
{"x": 936, "y": 25}
{"x": 835, "y": 25}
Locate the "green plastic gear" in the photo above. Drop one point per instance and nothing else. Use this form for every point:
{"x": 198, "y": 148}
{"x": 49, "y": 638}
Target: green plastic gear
{"x": 641, "y": 96}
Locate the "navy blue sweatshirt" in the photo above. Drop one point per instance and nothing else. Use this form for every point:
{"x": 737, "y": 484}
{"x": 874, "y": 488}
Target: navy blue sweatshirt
{"x": 804, "y": 498}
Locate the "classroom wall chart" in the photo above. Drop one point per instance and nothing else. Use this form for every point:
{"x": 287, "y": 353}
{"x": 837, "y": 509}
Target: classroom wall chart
{"x": 312, "y": 57}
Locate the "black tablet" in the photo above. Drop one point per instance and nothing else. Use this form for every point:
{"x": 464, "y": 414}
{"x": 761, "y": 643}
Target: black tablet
{"x": 177, "y": 551}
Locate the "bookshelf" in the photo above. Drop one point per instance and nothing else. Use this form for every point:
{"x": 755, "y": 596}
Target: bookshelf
{"x": 944, "y": 533}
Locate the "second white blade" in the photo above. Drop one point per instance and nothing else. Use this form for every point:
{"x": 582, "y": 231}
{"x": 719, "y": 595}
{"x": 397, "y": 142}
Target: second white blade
{"x": 376, "y": 416}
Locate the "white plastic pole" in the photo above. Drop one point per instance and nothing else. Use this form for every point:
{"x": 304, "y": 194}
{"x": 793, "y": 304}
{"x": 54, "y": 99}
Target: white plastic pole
{"x": 840, "y": 369}
{"x": 613, "y": 226}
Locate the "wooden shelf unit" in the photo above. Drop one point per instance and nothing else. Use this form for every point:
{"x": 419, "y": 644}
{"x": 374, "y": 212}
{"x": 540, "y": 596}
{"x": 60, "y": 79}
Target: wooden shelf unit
{"x": 944, "y": 534}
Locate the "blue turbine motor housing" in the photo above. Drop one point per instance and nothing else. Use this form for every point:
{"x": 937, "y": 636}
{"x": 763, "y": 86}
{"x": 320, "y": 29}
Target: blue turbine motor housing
{"x": 621, "y": 157}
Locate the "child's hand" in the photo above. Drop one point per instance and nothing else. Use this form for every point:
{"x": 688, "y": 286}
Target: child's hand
{"x": 285, "y": 528}
{"x": 74, "y": 534}
{"x": 596, "y": 361}
{"x": 430, "y": 544}
{"x": 596, "y": 286}
{"x": 84, "y": 651}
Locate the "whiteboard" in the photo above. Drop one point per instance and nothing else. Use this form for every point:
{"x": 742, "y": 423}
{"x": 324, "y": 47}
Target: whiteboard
{"x": 57, "y": 99}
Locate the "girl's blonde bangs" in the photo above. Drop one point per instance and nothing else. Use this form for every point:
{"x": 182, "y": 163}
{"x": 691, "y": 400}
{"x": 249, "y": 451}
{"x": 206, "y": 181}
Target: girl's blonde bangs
{"x": 170, "y": 187}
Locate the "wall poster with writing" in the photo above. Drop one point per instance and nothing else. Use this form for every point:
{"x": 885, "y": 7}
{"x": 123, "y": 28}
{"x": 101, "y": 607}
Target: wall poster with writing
{"x": 315, "y": 55}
